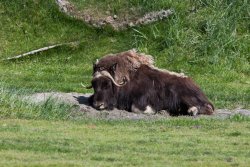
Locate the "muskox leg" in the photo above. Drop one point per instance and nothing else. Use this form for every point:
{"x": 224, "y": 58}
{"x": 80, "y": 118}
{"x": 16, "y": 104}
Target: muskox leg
{"x": 206, "y": 109}
{"x": 135, "y": 109}
{"x": 197, "y": 105}
{"x": 148, "y": 110}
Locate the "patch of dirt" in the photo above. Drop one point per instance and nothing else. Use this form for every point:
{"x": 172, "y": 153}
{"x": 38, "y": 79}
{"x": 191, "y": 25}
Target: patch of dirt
{"x": 81, "y": 101}
{"x": 114, "y": 21}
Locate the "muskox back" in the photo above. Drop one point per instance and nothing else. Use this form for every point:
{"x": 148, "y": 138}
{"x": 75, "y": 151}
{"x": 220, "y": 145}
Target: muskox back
{"x": 121, "y": 65}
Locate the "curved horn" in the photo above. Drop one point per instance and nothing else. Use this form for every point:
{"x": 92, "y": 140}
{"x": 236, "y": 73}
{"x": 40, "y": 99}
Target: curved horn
{"x": 86, "y": 87}
{"x": 107, "y": 74}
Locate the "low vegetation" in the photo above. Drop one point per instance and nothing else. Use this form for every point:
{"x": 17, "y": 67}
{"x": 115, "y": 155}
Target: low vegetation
{"x": 175, "y": 142}
{"x": 206, "y": 39}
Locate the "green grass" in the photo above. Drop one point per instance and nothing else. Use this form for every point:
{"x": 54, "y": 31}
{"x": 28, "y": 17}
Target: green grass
{"x": 211, "y": 45}
{"x": 54, "y": 134}
{"x": 13, "y": 105}
{"x": 206, "y": 39}
{"x": 175, "y": 142}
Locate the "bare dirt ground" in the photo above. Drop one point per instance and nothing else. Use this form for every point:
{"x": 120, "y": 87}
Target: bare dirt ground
{"x": 114, "y": 21}
{"x": 81, "y": 103}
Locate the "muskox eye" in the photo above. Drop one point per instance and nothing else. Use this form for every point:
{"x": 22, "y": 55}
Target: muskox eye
{"x": 105, "y": 85}
{"x": 113, "y": 67}
{"x": 101, "y": 69}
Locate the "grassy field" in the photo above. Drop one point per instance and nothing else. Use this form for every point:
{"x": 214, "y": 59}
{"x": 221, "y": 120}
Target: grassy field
{"x": 175, "y": 142}
{"x": 53, "y": 134}
{"x": 206, "y": 39}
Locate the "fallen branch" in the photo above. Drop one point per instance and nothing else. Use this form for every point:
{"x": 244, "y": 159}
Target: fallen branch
{"x": 38, "y": 50}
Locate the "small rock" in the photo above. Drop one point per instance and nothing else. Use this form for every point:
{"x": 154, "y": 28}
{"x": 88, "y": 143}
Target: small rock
{"x": 87, "y": 18}
{"x": 109, "y": 19}
{"x": 101, "y": 23}
{"x": 107, "y": 12}
{"x": 115, "y": 16}
{"x": 131, "y": 24}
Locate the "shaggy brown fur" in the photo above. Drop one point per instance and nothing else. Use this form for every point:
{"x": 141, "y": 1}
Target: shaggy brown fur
{"x": 121, "y": 65}
{"x": 151, "y": 88}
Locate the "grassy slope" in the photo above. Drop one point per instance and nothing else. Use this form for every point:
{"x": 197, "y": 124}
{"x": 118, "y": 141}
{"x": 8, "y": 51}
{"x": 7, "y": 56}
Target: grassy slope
{"x": 174, "y": 142}
{"x": 211, "y": 45}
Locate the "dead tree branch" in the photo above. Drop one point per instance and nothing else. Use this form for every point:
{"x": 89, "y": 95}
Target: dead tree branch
{"x": 38, "y": 50}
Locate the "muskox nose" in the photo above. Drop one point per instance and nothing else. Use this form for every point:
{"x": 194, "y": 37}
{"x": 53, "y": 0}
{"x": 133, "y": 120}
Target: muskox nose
{"x": 99, "y": 105}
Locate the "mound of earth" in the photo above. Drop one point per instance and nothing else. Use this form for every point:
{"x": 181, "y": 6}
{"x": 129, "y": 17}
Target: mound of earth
{"x": 118, "y": 23}
{"x": 81, "y": 100}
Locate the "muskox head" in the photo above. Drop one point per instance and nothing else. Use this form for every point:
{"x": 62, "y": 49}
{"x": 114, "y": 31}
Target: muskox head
{"x": 104, "y": 91}
{"x": 121, "y": 65}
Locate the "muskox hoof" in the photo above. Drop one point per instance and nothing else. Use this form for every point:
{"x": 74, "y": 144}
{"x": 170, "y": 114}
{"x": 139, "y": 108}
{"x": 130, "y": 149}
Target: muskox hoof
{"x": 148, "y": 110}
{"x": 193, "y": 111}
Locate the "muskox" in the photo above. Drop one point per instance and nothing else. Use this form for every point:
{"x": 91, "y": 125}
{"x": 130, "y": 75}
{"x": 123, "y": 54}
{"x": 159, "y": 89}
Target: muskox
{"x": 150, "y": 90}
{"x": 121, "y": 65}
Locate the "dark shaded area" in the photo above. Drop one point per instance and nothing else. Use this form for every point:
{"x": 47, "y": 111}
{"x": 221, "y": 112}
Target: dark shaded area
{"x": 86, "y": 100}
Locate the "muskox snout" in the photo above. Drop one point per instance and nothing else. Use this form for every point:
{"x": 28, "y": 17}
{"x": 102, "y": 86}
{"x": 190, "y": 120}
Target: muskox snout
{"x": 99, "y": 105}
